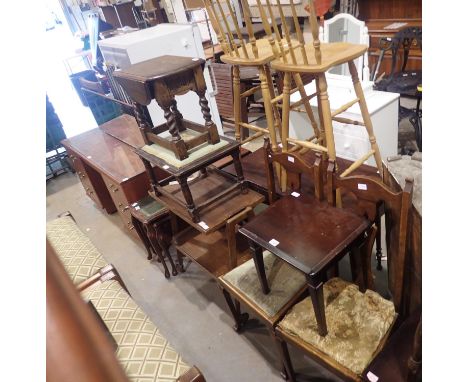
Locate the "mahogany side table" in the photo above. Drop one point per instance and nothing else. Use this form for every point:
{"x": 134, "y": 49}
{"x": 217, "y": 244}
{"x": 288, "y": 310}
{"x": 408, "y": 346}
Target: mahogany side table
{"x": 152, "y": 223}
{"x": 310, "y": 235}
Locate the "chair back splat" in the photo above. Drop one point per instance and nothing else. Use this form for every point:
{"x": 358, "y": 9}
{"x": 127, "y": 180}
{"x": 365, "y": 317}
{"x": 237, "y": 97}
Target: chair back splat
{"x": 370, "y": 193}
{"x": 294, "y": 167}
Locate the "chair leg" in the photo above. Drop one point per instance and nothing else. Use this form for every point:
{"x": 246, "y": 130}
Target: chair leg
{"x": 239, "y": 318}
{"x": 378, "y": 241}
{"x": 282, "y": 348}
{"x": 365, "y": 115}
{"x": 326, "y": 115}
{"x": 271, "y": 87}
{"x": 257, "y": 255}
{"x": 237, "y": 102}
{"x": 306, "y": 103}
{"x": 285, "y": 124}
{"x": 268, "y": 107}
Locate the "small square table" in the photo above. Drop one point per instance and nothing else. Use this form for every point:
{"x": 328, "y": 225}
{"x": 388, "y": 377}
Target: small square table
{"x": 308, "y": 234}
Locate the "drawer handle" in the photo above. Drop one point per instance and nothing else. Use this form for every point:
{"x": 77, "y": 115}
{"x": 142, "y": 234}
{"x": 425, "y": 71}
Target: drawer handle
{"x": 115, "y": 190}
{"x": 111, "y": 186}
{"x": 125, "y": 208}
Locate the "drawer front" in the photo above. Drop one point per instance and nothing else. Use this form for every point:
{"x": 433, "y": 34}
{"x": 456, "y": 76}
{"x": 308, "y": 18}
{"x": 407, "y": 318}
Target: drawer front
{"x": 351, "y": 148}
{"x": 82, "y": 174}
{"x": 123, "y": 205}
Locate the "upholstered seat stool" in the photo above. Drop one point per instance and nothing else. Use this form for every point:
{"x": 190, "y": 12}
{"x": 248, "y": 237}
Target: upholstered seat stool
{"x": 358, "y": 325}
{"x": 287, "y": 286}
{"x": 152, "y": 222}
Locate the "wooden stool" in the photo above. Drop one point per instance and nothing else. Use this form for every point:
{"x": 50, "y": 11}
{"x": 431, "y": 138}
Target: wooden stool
{"x": 153, "y": 225}
{"x": 317, "y": 58}
{"x": 255, "y": 53}
{"x": 163, "y": 78}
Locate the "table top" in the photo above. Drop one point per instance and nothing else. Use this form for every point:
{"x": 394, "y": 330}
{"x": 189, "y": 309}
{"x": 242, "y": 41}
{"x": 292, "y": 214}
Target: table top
{"x": 147, "y": 209}
{"x": 107, "y": 154}
{"x": 304, "y": 232}
{"x": 124, "y": 128}
{"x": 215, "y": 215}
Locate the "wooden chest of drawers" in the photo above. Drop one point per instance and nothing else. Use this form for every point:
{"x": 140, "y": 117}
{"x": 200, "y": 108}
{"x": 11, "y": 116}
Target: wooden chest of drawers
{"x": 112, "y": 175}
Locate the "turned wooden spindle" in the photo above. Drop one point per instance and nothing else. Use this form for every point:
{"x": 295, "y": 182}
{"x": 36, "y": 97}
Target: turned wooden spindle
{"x": 171, "y": 122}
{"x": 143, "y": 123}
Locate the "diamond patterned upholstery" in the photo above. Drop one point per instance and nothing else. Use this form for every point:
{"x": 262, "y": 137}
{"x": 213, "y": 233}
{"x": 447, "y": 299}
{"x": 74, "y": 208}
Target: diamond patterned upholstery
{"x": 284, "y": 281}
{"x": 357, "y": 323}
{"x": 79, "y": 256}
{"x": 143, "y": 352}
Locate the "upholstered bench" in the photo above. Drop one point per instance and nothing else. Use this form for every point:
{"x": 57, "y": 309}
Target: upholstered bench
{"x": 141, "y": 348}
{"x": 79, "y": 256}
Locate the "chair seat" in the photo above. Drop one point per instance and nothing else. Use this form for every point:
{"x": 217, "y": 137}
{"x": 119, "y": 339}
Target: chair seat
{"x": 265, "y": 54}
{"x": 357, "y": 324}
{"x": 333, "y": 54}
{"x": 79, "y": 256}
{"x": 143, "y": 352}
{"x": 285, "y": 282}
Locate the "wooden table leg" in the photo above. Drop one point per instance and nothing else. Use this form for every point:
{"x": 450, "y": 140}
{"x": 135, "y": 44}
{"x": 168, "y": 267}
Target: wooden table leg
{"x": 163, "y": 244}
{"x": 257, "y": 254}
{"x": 142, "y": 235}
{"x": 316, "y": 294}
{"x": 156, "y": 248}
{"x": 188, "y": 198}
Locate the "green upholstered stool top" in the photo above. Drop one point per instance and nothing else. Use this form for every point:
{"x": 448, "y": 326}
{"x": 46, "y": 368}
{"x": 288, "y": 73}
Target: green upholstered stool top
{"x": 284, "y": 280}
{"x": 357, "y": 322}
{"x": 195, "y": 154}
{"x": 143, "y": 352}
{"x": 147, "y": 209}
{"x": 79, "y": 256}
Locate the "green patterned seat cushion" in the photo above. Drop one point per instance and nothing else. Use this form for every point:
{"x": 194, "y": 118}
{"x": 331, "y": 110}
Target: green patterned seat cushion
{"x": 143, "y": 352}
{"x": 79, "y": 256}
{"x": 284, "y": 281}
{"x": 357, "y": 322}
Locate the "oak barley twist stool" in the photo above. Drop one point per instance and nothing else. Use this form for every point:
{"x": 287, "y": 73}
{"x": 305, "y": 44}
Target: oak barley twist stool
{"x": 162, "y": 78}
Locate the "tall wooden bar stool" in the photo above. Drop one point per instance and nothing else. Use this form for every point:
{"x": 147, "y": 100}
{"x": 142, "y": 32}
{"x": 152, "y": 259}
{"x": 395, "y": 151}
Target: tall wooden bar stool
{"x": 256, "y": 53}
{"x": 317, "y": 58}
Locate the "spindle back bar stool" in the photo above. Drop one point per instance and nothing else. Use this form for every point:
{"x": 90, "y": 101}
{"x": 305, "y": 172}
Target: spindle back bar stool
{"x": 256, "y": 53}
{"x": 317, "y": 58}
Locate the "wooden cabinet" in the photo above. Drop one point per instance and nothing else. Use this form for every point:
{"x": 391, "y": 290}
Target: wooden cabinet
{"x": 92, "y": 183}
{"x": 112, "y": 175}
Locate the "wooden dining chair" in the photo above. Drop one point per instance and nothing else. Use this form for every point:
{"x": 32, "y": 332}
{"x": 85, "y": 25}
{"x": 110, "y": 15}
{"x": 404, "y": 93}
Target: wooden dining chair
{"x": 241, "y": 286}
{"x": 359, "y": 322}
{"x": 259, "y": 53}
{"x": 317, "y": 58}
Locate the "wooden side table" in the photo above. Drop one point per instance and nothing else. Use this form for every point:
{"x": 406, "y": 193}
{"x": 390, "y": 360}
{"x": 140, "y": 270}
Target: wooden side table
{"x": 163, "y": 78}
{"x": 152, "y": 223}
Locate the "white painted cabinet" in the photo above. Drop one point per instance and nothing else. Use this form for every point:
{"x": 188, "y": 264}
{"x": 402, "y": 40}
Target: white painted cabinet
{"x": 352, "y": 141}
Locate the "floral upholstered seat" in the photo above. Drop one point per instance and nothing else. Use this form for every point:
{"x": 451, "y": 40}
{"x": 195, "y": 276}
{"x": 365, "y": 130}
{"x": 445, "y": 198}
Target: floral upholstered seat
{"x": 357, "y": 323}
{"x": 144, "y": 353}
{"x": 285, "y": 282}
{"x": 79, "y": 256}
